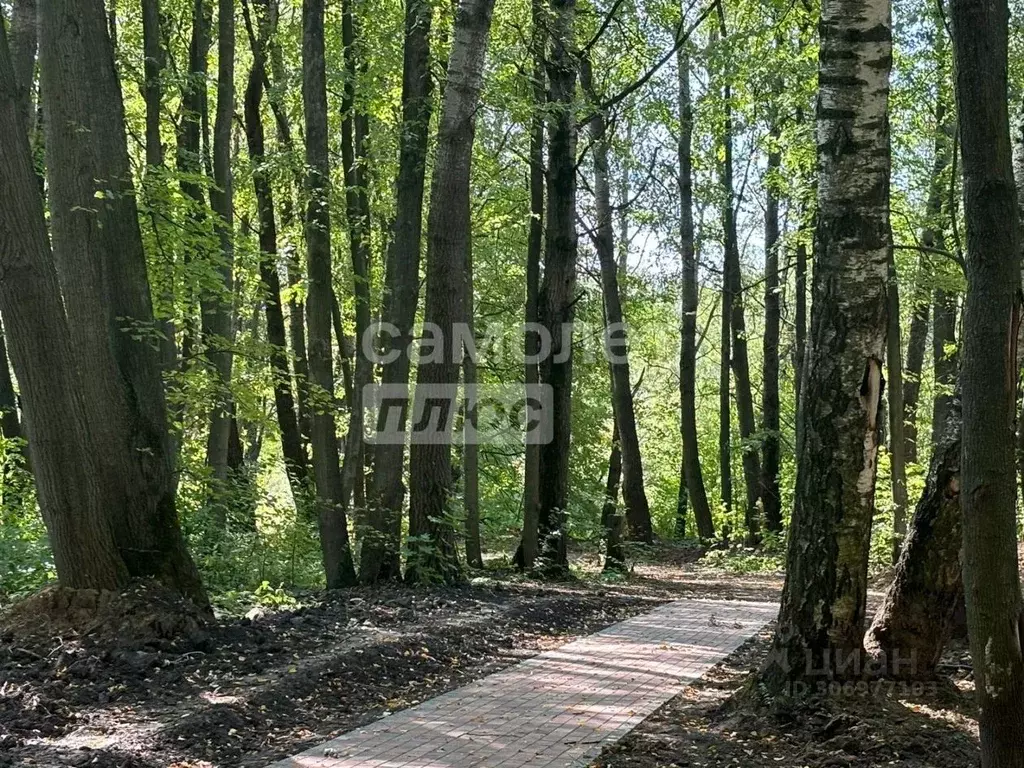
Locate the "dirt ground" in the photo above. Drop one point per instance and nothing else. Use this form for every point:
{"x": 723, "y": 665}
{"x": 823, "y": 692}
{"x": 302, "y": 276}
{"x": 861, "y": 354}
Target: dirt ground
{"x": 247, "y": 691}
{"x": 866, "y": 725}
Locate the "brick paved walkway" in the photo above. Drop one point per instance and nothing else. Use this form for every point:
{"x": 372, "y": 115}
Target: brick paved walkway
{"x": 557, "y": 709}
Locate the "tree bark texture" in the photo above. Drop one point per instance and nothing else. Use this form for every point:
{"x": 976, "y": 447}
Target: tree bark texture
{"x": 989, "y": 376}
{"x": 432, "y": 552}
{"x": 821, "y": 620}
{"x": 333, "y": 523}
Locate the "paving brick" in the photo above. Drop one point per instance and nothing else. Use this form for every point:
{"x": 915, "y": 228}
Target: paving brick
{"x": 559, "y": 708}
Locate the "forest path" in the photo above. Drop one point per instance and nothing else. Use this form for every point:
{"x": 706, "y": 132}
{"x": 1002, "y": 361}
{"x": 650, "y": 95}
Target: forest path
{"x": 559, "y": 708}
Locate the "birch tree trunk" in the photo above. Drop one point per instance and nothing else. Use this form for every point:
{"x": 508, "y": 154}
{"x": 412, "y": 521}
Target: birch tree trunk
{"x": 333, "y": 524}
{"x": 989, "y": 375}
{"x": 821, "y": 621}
{"x": 433, "y": 554}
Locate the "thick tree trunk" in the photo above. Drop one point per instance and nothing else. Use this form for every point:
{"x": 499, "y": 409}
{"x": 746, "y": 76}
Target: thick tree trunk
{"x": 915, "y": 621}
{"x": 770, "y": 460}
{"x": 296, "y": 464}
{"x": 529, "y": 545}
{"x": 894, "y": 393}
{"x": 101, "y": 264}
{"x": 217, "y": 307}
{"x": 738, "y": 357}
{"x": 357, "y": 211}
{"x": 989, "y": 376}
{"x": 334, "y": 541}
{"x": 67, "y": 473}
{"x": 557, "y": 299}
{"x": 433, "y": 554}
{"x": 821, "y": 621}
{"x": 380, "y": 553}
{"x": 637, "y": 510}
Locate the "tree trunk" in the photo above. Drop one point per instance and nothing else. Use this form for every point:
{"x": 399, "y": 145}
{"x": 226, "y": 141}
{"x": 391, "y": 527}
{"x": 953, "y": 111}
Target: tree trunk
{"x": 637, "y": 510}
{"x": 102, "y": 267}
{"x": 380, "y": 554}
{"x": 932, "y": 237}
{"x": 894, "y": 393}
{"x": 738, "y": 357}
{"x": 770, "y": 498}
{"x": 24, "y": 40}
{"x": 433, "y": 554}
{"x": 67, "y": 472}
{"x": 471, "y": 447}
{"x": 333, "y": 524}
{"x": 529, "y": 544}
{"x": 217, "y": 308}
{"x": 357, "y": 212}
{"x": 10, "y": 422}
{"x": 944, "y": 358}
{"x": 296, "y": 465}
{"x": 557, "y": 300}
{"x": 725, "y": 403}
{"x": 911, "y": 628}
{"x": 800, "y": 321}
{"x": 989, "y": 377}
{"x": 821, "y": 621}
{"x": 611, "y": 520}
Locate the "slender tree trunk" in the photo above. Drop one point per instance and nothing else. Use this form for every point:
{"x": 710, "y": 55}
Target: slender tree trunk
{"x": 691, "y": 468}
{"x": 471, "y": 447}
{"x": 725, "y": 401}
{"x": 529, "y": 546}
{"x": 284, "y": 403}
{"x": 67, "y": 473}
{"x": 10, "y": 422}
{"x": 770, "y": 498}
{"x": 334, "y": 541}
{"x": 916, "y": 619}
{"x": 989, "y": 378}
{"x": 380, "y": 554}
{"x": 821, "y": 621}
{"x": 894, "y": 393}
{"x": 637, "y": 510}
{"x": 531, "y": 477}
{"x": 932, "y": 237}
{"x": 433, "y": 554}
{"x": 611, "y": 520}
{"x": 944, "y": 358}
{"x": 218, "y": 331}
{"x": 913, "y": 366}
{"x": 738, "y": 357}
{"x": 557, "y": 300}
{"x": 800, "y": 321}
{"x": 357, "y": 211}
